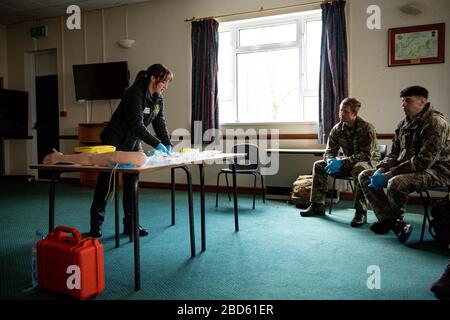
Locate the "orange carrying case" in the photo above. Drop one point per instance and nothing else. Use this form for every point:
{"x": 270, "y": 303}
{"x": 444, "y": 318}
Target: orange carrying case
{"x": 69, "y": 264}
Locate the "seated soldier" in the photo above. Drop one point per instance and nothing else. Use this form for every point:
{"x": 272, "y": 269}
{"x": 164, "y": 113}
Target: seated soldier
{"x": 419, "y": 159}
{"x": 358, "y": 140}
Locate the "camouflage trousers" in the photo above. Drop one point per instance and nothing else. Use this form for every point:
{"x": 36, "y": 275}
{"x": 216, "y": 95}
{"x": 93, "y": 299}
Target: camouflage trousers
{"x": 391, "y": 204}
{"x": 320, "y": 185}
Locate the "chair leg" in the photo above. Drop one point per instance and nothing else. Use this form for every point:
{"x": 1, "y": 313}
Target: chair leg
{"x": 217, "y": 189}
{"x": 228, "y": 186}
{"x": 426, "y": 203}
{"x": 254, "y": 190}
{"x": 263, "y": 189}
{"x": 351, "y": 187}
{"x": 332, "y": 194}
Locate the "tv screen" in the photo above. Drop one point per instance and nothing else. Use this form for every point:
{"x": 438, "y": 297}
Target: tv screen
{"x": 101, "y": 81}
{"x": 13, "y": 114}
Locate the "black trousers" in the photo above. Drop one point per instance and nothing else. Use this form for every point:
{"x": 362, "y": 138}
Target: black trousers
{"x": 98, "y": 206}
{"x": 101, "y": 190}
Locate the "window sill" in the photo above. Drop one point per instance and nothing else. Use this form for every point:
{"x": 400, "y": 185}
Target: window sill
{"x": 267, "y": 123}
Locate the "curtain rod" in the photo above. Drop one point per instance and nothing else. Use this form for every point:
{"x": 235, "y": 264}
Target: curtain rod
{"x": 261, "y": 9}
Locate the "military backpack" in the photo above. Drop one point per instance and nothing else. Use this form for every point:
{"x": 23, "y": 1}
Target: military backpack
{"x": 301, "y": 191}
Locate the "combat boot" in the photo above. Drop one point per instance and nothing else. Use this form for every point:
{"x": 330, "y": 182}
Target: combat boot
{"x": 382, "y": 227}
{"x": 359, "y": 219}
{"x": 315, "y": 209}
{"x": 442, "y": 287}
{"x": 402, "y": 230}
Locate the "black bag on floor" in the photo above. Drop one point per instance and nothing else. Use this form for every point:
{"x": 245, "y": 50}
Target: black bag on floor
{"x": 440, "y": 222}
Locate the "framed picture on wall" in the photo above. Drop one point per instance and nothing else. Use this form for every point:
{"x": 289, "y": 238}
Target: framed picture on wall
{"x": 417, "y": 45}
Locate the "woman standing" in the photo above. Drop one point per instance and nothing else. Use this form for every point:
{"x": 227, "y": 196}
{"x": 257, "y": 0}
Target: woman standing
{"x": 141, "y": 105}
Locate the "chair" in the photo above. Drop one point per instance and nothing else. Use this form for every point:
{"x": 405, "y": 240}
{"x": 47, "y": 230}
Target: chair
{"x": 251, "y": 166}
{"x": 382, "y": 148}
{"x": 426, "y": 199}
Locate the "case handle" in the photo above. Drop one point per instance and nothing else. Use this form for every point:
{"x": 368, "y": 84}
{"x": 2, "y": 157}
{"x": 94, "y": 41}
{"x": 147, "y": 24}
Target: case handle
{"x": 59, "y": 230}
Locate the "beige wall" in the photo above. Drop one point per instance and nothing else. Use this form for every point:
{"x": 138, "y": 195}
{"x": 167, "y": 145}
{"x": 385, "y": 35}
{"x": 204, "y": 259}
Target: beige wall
{"x": 378, "y": 85}
{"x": 162, "y": 36}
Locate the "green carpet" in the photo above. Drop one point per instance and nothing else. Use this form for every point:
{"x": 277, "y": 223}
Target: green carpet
{"x": 276, "y": 255}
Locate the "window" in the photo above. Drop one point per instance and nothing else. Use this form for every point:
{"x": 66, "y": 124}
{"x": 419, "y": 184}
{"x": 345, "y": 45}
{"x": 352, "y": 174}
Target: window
{"x": 269, "y": 69}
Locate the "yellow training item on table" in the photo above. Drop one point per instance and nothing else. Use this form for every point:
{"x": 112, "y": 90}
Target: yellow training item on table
{"x": 184, "y": 150}
{"x": 95, "y": 149}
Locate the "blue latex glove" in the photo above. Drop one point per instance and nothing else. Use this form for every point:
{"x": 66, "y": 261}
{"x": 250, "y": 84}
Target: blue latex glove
{"x": 169, "y": 148}
{"x": 162, "y": 148}
{"x": 378, "y": 172}
{"x": 378, "y": 181}
{"x": 333, "y": 166}
{"x": 149, "y": 153}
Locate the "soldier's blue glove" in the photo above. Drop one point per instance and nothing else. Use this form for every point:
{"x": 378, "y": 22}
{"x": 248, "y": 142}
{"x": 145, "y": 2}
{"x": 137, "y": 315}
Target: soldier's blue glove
{"x": 333, "y": 166}
{"x": 169, "y": 148}
{"x": 378, "y": 181}
{"x": 378, "y": 172}
{"x": 162, "y": 149}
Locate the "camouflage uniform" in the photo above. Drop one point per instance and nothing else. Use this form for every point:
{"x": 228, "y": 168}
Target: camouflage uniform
{"x": 420, "y": 159}
{"x": 360, "y": 148}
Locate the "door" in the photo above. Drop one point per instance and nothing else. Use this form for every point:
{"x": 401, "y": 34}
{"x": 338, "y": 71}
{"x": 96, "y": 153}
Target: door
{"x": 47, "y": 120}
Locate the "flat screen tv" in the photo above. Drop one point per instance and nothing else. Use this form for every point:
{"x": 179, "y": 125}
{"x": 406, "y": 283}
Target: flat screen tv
{"x": 13, "y": 114}
{"x": 101, "y": 81}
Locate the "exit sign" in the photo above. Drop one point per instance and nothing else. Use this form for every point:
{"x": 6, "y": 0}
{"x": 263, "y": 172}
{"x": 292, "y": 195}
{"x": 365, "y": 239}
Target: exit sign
{"x": 39, "y": 32}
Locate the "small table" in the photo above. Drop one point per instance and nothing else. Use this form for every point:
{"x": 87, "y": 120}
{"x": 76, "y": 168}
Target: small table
{"x": 134, "y": 236}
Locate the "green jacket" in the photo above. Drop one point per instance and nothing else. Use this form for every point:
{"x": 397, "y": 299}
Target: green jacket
{"x": 358, "y": 143}
{"x": 128, "y": 125}
{"x": 420, "y": 144}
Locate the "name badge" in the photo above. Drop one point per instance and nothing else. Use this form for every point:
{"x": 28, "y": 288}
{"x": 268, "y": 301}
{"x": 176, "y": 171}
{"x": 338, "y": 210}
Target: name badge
{"x": 147, "y": 110}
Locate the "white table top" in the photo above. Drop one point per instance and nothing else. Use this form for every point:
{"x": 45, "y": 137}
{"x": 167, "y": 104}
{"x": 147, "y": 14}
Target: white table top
{"x": 146, "y": 168}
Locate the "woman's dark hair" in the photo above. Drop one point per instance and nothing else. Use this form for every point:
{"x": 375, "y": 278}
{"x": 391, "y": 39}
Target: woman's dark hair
{"x": 141, "y": 74}
{"x": 160, "y": 72}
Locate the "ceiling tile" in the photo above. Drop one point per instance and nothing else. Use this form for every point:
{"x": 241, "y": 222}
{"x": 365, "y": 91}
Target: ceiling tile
{"x": 14, "y": 11}
{"x": 22, "y": 5}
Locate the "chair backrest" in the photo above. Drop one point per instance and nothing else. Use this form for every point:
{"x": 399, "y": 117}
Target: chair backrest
{"x": 251, "y": 160}
{"x": 382, "y": 148}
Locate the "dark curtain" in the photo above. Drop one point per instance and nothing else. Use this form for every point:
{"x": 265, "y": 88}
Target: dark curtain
{"x": 205, "y": 49}
{"x": 333, "y": 86}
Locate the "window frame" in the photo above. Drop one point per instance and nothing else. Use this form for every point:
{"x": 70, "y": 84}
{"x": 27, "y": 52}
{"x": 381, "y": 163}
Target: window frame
{"x": 300, "y": 19}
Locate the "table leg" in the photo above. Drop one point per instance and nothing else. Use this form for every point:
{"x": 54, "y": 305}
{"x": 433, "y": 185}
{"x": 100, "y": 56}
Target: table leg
{"x": 236, "y": 218}
{"x": 191, "y": 210}
{"x": 135, "y": 230}
{"x": 133, "y": 218}
{"x": 172, "y": 179}
{"x": 116, "y": 209}
{"x": 202, "y": 206}
{"x": 51, "y": 202}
